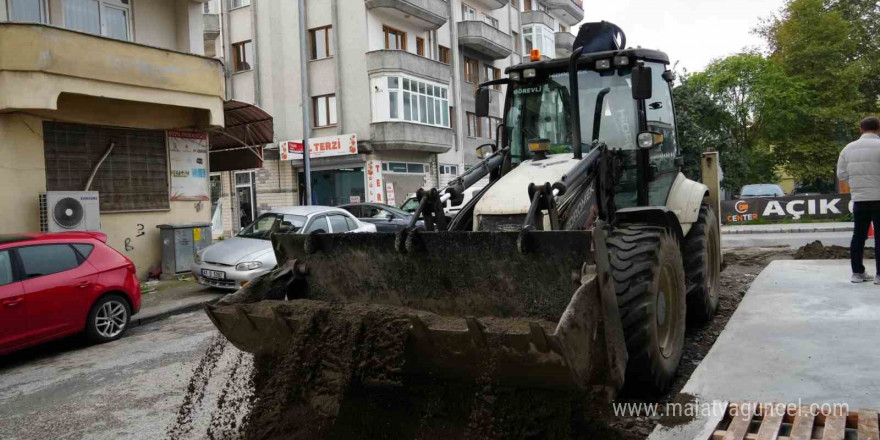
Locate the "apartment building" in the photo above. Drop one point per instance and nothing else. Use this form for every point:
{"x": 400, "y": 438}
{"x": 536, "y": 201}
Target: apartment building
{"x": 98, "y": 95}
{"x": 391, "y": 87}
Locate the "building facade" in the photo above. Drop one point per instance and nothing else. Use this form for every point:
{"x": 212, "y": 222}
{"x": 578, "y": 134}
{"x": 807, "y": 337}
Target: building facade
{"x": 395, "y": 77}
{"x": 92, "y": 92}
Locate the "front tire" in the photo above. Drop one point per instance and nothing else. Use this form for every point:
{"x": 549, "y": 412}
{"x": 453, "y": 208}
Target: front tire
{"x": 108, "y": 320}
{"x": 702, "y": 267}
{"x": 649, "y": 278}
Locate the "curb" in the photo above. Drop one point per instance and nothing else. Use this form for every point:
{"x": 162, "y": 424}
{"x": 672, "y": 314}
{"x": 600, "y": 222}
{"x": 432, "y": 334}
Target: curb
{"x": 788, "y": 230}
{"x": 137, "y": 322}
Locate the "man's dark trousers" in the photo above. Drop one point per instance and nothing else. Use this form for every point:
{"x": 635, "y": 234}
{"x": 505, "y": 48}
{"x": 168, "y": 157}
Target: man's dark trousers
{"x": 863, "y": 214}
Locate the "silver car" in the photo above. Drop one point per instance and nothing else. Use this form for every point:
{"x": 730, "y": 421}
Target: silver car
{"x": 231, "y": 263}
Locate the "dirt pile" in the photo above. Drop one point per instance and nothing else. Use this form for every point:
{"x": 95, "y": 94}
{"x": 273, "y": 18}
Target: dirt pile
{"x": 817, "y": 251}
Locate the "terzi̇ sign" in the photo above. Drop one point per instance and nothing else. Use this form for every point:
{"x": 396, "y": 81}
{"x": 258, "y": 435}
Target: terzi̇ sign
{"x": 319, "y": 147}
{"x": 778, "y": 208}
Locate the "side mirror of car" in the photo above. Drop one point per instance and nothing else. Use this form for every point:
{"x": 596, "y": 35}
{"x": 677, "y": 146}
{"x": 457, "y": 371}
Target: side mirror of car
{"x": 390, "y": 217}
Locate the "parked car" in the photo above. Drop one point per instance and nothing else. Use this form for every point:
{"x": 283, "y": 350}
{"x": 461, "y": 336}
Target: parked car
{"x": 761, "y": 190}
{"x": 386, "y": 218}
{"x": 231, "y": 263}
{"x": 58, "y": 284}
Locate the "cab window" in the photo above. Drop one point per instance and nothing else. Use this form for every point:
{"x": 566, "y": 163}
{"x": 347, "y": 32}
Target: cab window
{"x": 47, "y": 259}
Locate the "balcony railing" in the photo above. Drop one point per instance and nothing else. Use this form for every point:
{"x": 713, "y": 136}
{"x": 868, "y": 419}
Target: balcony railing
{"x": 564, "y": 44}
{"x": 431, "y": 13}
{"x": 485, "y": 39}
{"x": 537, "y": 17}
{"x": 400, "y": 61}
{"x": 409, "y": 136}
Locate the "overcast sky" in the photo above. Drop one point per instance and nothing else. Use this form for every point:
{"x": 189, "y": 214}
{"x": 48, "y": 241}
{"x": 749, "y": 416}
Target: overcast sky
{"x": 692, "y": 32}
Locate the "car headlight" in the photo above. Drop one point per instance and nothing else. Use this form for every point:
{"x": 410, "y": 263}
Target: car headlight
{"x": 248, "y": 265}
{"x": 198, "y": 258}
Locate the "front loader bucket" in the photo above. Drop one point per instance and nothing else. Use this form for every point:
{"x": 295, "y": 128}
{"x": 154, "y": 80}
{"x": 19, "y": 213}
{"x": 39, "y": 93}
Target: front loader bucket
{"x": 535, "y": 305}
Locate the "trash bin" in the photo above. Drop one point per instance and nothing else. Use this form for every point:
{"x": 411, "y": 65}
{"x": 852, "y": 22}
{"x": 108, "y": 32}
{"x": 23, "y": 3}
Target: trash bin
{"x": 180, "y": 242}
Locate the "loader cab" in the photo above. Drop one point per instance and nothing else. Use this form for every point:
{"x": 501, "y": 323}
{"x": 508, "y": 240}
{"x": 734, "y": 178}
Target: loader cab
{"x": 539, "y": 106}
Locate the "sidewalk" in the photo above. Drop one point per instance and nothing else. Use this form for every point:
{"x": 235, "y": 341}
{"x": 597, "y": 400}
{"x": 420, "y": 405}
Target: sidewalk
{"x": 787, "y": 228}
{"x": 172, "y": 297}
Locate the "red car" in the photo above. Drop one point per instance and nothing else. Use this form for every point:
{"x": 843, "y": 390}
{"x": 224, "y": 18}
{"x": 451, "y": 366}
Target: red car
{"x": 58, "y": 284}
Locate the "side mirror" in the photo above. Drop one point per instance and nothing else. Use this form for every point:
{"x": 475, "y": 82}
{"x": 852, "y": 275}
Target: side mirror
{"x": 483, "y": 151}
{"x": 390, "y": 217}
{"x": 642, "y": 83}
{"x": 482, "y": 102}
{"x": 650, "y": 139}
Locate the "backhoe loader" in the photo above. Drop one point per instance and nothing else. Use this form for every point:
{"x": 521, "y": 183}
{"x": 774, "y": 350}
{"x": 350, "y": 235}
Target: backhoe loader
{"x": 577, "y": 266}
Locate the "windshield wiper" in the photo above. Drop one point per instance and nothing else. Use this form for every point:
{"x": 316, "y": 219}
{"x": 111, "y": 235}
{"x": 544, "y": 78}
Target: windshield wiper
{"x": 597, "y": 113}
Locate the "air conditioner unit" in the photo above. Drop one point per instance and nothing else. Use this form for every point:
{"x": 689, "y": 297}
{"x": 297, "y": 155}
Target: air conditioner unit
{"x": 69, "y": 211}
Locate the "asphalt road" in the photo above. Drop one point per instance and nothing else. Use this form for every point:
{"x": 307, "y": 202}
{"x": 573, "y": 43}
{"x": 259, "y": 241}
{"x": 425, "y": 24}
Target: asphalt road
{"x": 127, "y": 389}
{"x": 795, "y": 240}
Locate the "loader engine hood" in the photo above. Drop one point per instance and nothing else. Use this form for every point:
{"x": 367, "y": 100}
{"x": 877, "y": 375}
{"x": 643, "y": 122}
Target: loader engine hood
{"x": 510, "y": 197}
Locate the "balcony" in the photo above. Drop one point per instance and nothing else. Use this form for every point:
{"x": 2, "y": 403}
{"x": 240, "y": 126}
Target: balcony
{"x": 400, "y": 61}
{"x": 570, "y": 11}
{"x": 386, "y": 136}
{"x": 537, "y": 17}
{"x": 564, "y": 44}
{"x": 485, "y": 39}
{"x": 431, "y": 14}
{"x": 212, "y": 26}
{"x": 489, "y": 4}
{"x": 39, "y": 63}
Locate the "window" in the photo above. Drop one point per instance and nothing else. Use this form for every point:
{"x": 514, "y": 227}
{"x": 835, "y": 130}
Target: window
{"x": 563, "y": 28}
{"x": 337, "y": 222}
{"x": 376, "y": 212}
{"x": 238, "y": 3}
{"x": 449, "y": 169}
{"x": 84, "y": 249}
{"x": 352, "y": 225}
{"x": 133, "y": 178}
{"x": 47, "y": 259}
{"x": 243, "y": 56}
{"x": 473, "y": 128}
{"x": 418, "y": 101}
{"x": 527, "y": 5}
{"x": 28, "y": 11}
{"x": 490, "y": 20}
{"x": 538, "y": 36}
{"x": 6, "y": 274}
{"x": 443, "y": 55}
{"x": 321, "y": 41}
{"x": 394, "y": 39}
{"x": 109, "y": 18}
{"x": 493, "y": 73}
{"x": 468, "y": 13}
{"x": 324, "y": 108}
{"x": 355, "y": 210}
{"x": 420, "y": 46}
{"x": 517, "y": 45}
{"x": 402, "y": 168}
{"x": 471, "y": 70}
{"x": 318, "y": 224}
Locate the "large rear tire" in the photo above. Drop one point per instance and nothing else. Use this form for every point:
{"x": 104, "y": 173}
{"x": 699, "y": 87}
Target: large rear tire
{"x": 649, "y": 278}
{"x": 702, "y": 267}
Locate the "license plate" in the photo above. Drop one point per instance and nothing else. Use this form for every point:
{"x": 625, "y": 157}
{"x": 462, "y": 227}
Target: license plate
{"x": 214, "y": 274}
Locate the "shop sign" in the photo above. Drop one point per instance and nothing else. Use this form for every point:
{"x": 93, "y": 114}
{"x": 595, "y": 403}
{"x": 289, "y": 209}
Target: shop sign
{"x": 374, "y": 181}
{"x": 389, "y": 194}
{"x": 341, "y": 145}
{"x": 188, "y": 155}
{"x": 779, "y": 208}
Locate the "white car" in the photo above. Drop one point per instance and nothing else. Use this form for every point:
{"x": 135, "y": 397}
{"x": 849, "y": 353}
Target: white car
{"x": 232, "y": 263}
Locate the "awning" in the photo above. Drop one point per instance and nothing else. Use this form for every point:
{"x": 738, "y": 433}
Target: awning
{"x": 239, "y": 146}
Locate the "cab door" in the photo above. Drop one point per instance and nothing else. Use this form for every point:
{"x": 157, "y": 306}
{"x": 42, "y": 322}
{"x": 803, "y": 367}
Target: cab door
{"x": 13, "y": 308}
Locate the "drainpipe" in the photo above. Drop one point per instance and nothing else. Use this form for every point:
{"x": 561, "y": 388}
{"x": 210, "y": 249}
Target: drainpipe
{"x": 337, "y": 63}
{"x": 306, "y": 99}
{"x": 456, "y": 77}
{"x": 256, "y": 67}
{"x": 227, "y": 49}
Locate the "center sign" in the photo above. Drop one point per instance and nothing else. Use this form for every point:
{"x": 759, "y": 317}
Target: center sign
{"x": 340, "y": 145}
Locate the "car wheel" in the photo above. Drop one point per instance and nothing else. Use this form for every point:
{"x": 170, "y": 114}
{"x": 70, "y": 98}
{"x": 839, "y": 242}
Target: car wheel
{"x": 108, "y": 319}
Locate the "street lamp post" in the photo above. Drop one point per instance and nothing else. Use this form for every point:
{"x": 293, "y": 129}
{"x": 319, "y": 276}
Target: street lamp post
{"x": 306, "y": 102}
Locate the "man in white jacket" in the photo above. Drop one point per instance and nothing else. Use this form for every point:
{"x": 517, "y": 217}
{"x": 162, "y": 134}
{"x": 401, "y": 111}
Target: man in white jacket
{"x": 859, "y": 166}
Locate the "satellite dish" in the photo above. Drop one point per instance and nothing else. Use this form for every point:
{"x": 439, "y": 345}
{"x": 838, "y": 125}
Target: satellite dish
{"x": 68, "y": 213}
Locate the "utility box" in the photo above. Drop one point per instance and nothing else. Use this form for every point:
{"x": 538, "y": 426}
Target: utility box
{"x": 180, "y": 242}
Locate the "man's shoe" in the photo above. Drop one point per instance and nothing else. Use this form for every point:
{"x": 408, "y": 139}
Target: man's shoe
{"x": 861, "y": 278}
{"x": 877, "y": 279}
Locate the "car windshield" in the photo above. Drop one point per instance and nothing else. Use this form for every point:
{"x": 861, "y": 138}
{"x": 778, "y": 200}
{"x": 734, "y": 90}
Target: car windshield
{"x": 539, "y": 110}
{"x": 761, "y": 191}
{"x": 410, "y": 205}
{"x": 271, "y": 222}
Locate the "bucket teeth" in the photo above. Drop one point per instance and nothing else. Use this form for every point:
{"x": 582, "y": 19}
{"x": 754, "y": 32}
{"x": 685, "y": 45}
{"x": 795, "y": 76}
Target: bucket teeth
{"x": 476, "y": 331}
